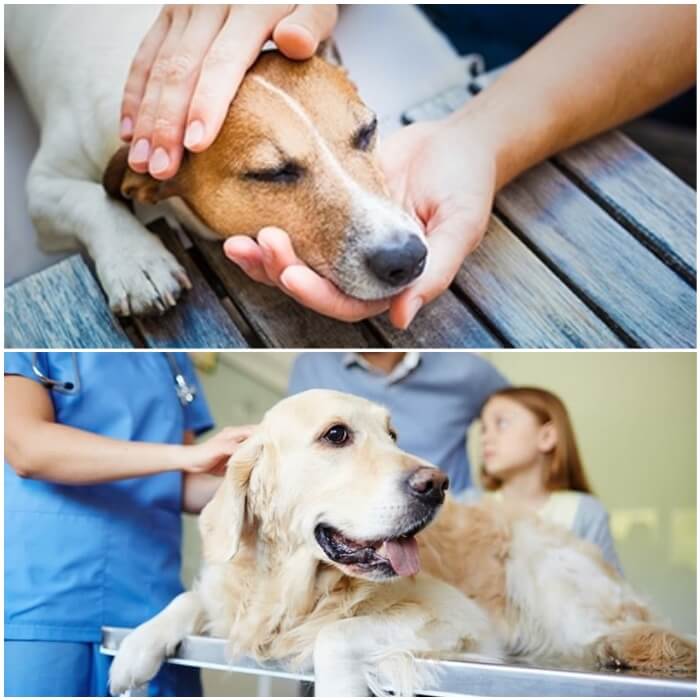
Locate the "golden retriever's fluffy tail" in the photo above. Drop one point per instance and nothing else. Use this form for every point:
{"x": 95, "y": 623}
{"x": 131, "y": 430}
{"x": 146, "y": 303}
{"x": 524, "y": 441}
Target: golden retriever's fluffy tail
{"x": 648, "y": 648}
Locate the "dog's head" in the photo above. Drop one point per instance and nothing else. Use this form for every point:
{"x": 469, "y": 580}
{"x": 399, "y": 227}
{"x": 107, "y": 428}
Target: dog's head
{"x": 297, "y": 151}
{"x": 323, "y": 474}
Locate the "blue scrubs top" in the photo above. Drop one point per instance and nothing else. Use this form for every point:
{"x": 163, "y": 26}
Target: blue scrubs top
{"x": 80, "y": 557}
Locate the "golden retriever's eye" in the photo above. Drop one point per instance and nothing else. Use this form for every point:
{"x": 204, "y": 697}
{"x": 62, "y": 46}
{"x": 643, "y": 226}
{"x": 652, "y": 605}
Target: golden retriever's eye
{"x": 364, "y": 137}
{"x": 337, "y": 435}
{"x": 393, "y": 435}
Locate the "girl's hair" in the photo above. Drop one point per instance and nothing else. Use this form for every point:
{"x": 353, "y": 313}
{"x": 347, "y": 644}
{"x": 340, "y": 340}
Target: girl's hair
{"x": 565, "y": 470}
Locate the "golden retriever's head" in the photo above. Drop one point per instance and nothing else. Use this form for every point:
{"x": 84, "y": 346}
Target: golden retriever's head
{"x": 323, "y": 473}
{"x": 296, "y": 151}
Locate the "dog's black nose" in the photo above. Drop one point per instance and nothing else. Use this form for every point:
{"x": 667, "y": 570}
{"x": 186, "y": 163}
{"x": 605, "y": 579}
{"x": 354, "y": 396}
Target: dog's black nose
{"x": 400, "y": 260}
{"x": 428, "y": 485}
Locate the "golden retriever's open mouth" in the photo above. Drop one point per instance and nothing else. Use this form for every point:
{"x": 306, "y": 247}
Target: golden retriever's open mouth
{"x": 383, "y": 558}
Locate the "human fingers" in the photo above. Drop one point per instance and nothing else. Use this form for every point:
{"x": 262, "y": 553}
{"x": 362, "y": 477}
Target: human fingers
{"x": 140, "y": 151}
{"x": 246, "y": 253}
{"x": 139, "y": 71}
{"x": 321, "y": 295}
{"x": 298, "y": 34}
{"x": 232, "y": 52}
{"x": 177, "y": 86}
{"x": 277, "y": 252}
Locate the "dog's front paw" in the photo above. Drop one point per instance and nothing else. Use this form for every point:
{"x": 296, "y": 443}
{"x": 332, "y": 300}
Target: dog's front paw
{"x": 137, "y": 661}
{"x": 144, "y": 278}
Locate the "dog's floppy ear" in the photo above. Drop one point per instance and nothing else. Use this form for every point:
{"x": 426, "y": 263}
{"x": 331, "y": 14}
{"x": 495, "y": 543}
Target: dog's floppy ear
{"x": 121, "y": 182}
{"x": 222, "y": 520}
{"x": 328, "y": 51}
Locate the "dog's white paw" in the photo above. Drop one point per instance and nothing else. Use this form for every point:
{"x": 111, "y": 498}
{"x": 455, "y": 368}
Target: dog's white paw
{"x": 142, "y": 277}
{"x": 140, "y": 656}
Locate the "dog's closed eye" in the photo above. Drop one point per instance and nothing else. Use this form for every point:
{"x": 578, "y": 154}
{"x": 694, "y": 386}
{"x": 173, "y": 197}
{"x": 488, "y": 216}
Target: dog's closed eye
{"x": 287, "y": 173}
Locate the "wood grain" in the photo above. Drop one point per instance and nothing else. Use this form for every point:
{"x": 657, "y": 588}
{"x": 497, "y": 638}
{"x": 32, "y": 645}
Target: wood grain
{"x": 641, "y": 193}
{"x": 644, "y": 301}
{"x": 60, "y": 307}
{"x": 527, "y": 303}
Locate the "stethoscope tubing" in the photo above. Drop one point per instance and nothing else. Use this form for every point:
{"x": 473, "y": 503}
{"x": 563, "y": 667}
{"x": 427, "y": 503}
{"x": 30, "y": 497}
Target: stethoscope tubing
{"x": 186, "y": 393}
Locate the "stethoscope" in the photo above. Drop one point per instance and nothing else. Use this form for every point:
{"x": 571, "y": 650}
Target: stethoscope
{"x": 186, "y": 393}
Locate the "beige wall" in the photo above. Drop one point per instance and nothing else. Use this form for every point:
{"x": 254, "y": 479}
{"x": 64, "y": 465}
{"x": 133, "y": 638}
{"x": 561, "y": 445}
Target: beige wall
{"x": 635, "y": 419}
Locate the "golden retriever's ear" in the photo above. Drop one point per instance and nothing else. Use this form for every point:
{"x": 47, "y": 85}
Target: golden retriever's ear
{"x": 121, "y": 182}
{"x": 222, "y": 519}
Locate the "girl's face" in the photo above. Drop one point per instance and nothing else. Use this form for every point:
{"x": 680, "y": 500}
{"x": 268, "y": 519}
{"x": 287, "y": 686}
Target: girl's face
{"x": 512, "y": 437}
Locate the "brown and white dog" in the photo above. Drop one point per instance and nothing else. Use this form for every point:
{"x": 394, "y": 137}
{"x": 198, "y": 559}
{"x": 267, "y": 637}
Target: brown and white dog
{"x": 296, "y": 151}
{"x": 327, "y": 546}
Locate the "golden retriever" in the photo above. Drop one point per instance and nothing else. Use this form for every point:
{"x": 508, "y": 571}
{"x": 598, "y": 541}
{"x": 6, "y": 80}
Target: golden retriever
{"x": 326, "y": 545}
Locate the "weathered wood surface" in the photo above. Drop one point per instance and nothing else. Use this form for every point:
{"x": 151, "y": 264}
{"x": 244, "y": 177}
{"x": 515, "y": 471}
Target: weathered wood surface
{"x": 643, "y": 300}
{"x": 446, "y": 323}
{"x": 526, "y": 302}
{"x": 641, "y": 193}
{"x": 60, "y": 307}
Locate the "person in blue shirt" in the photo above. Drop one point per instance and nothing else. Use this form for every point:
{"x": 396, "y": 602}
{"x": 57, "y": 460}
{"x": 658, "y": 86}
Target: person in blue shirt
{"x": 433, "y": 397}
{"x": 98, "y": 469}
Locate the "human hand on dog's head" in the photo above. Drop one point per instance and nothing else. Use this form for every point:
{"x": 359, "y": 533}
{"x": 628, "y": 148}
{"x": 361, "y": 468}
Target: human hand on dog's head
{"x": 211, "y": 456}
{"x": 444, "y": 174}
{"x": 189, "y": 67}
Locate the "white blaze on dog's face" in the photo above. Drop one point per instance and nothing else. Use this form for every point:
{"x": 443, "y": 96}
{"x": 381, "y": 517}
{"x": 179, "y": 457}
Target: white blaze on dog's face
{"x": 329, "y": 477}
{"x": 297, "y": 151}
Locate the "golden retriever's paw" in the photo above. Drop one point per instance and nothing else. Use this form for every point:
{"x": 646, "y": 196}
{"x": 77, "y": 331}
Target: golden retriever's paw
{"x": 140, "y": 656}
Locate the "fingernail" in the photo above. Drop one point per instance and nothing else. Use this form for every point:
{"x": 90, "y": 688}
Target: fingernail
{"x": 139, "y": 152}
{"x": 413, "y": 309}
{"x": 126, "y": 128}
{"x": 194, "y": 134}
{"x": 283, "y": 281}
{"x": 160, "y": 161}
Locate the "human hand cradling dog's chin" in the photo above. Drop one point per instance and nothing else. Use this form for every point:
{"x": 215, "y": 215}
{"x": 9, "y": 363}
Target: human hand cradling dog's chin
{"x": 444, "y": 174}
{"x": 271, "y": 259}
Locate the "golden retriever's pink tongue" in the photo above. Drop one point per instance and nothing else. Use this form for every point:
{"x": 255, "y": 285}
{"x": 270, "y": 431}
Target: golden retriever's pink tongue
{"x": 403, "y": 555}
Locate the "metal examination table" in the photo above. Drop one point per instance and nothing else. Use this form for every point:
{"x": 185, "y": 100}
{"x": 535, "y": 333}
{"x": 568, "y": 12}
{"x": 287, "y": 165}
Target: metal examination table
{"x": 464, "y": 677}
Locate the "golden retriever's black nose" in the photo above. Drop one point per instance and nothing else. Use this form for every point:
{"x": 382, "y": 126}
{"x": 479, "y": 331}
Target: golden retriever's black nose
{"x": 428, "y": 485}
{"x": 399, "y": 261}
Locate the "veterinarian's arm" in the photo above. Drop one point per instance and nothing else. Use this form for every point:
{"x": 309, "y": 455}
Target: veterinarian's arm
{"x": 188, "y": 69}
{"x": 39, "y": 448}
{"x": 602, "y": 66}
{"x": 198, "y": 490}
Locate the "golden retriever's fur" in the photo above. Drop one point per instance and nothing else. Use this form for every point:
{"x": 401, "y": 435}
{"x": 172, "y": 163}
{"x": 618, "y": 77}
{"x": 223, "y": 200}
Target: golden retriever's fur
{"x": 494, "y": 579}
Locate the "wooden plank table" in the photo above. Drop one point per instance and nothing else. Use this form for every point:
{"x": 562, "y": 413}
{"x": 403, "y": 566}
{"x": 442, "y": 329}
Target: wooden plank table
{"x": 593, "y": 249}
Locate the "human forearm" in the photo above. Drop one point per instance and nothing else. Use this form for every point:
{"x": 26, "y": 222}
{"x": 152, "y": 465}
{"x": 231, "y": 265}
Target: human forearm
{"x": 198, "y": 490}
{"x": 54, "y": 452}
{"x": 599, "y": 68}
